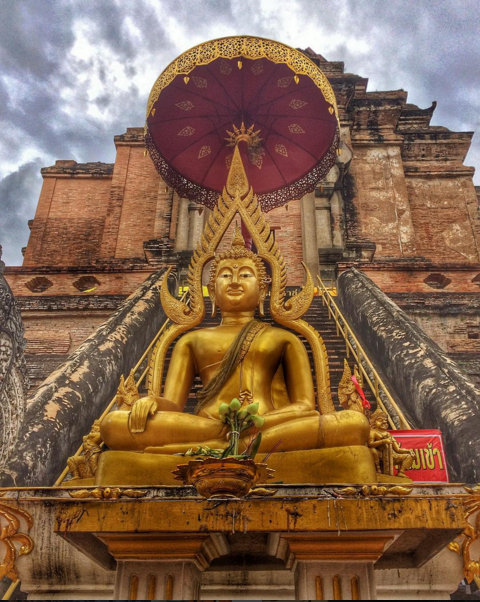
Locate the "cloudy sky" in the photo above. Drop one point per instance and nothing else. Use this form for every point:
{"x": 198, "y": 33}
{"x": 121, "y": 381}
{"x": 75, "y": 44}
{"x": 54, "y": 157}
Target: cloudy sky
{"x": 73, "y": 73}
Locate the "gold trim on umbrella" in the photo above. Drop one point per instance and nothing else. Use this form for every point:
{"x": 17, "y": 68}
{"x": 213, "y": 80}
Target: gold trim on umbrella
{"x": 248, "y": 47}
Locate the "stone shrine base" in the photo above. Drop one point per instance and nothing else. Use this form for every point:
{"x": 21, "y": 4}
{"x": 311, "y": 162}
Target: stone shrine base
{"x": 303, "y": 542}
{"x": 168, "y": 543}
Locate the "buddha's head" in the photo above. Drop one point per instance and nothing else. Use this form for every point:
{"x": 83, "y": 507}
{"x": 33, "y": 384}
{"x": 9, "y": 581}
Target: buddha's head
{"x": 238, "y": 279}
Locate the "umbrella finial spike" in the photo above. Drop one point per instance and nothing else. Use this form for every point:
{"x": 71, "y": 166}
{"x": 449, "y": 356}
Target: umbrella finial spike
{"x": 237, "y": 181}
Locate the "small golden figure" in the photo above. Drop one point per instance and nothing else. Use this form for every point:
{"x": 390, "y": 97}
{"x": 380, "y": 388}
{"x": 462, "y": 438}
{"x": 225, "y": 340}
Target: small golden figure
{"x": 348, "y": 395}
{"x": 244, "y": 358}
{"x": 386, "y": 451}
{"x": 85, "y": 466}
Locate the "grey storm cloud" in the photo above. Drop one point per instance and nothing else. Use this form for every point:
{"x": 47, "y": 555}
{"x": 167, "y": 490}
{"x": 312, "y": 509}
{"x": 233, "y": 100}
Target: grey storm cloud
{"x": 73, "y": 73}
{"x": 15, "y": 200}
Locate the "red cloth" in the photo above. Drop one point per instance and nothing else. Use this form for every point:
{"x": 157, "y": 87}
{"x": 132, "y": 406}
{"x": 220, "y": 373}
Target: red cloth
{"x": 365, "y": 402}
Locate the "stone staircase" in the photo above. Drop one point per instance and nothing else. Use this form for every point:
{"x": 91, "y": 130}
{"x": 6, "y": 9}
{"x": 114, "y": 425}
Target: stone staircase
{"x": 317, "y": 316}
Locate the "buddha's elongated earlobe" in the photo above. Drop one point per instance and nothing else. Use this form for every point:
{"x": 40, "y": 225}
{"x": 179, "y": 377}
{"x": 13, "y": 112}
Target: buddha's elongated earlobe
{"x": 261, "y": 311}
{"x": 211, "y": 294}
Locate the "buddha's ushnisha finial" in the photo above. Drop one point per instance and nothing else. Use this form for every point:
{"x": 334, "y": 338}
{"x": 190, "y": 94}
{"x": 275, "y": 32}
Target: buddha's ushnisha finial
{"x": 238, "y": 240}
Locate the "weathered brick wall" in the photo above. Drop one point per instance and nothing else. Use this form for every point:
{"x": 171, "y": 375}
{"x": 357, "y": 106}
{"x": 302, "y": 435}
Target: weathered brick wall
{"x": 381, "y": 201}
{"x": 68, "y": 224}
{"x": 60, "y": 318}
{"x": 452, "y": 320}
{"x": 413, "y": 276}
{"x": 138, "y": 197}
{"x": 288, "y": 236}
{"x": 67, "y": 281}
{"x": 50, "y": 341}
{"x": 443, "y": 218}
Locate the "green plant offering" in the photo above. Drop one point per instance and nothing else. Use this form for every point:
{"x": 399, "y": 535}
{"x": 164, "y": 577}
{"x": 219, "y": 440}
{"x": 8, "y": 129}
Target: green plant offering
{"x": 238, "y": 419}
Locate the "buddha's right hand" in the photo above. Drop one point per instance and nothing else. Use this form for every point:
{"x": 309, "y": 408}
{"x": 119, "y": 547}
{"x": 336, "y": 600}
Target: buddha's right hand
{"x": 141, "y": 410}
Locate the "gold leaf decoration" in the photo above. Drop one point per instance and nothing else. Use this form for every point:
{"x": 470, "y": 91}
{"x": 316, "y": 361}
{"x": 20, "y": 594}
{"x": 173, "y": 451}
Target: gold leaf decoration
{"x": 10, "y": 535}
{"x": 107, "y": 493}
{"x": 249, "y": 47}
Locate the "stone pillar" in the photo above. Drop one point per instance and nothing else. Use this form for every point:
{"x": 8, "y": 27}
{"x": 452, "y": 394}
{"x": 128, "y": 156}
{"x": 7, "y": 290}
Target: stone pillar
{"x": 163, "y": 211}
{"x": 336, "y": 209}
{"x": 334, "y": 580}
{"x": 158, "y": 580}
{"x": 181, "y": 239}
{"x": 195, "y": 225}
{"x": 309, "y": 233}
{"x": 323, "y": 223}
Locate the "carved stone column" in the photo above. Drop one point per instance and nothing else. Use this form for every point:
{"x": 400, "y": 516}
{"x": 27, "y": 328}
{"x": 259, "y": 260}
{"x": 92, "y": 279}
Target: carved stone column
{"x": 309, "y": 233}
{"x": 195, "y": 224}
{"x": 181, "y": 239}
{"x": 163, "y": 211}
{"x": 323, "y": 223}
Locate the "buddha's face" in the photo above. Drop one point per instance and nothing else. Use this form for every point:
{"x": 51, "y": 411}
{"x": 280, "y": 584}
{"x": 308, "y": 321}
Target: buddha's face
{"x": 237, "y": 287}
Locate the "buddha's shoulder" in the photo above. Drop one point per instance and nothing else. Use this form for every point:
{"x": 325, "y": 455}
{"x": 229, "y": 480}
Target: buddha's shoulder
{"x": 279, "y": 333}
{"x": 201, "y": 334}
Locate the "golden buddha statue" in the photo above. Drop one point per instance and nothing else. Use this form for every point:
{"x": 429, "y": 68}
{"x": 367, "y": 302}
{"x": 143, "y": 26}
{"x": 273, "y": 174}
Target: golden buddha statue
{"x": 244, "y": 358}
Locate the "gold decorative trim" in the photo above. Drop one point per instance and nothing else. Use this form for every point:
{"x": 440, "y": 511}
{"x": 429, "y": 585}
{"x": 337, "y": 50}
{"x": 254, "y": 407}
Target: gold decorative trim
{"x": 373, "y": 491}
{"x": 462, "y": 544}
{"x": 10, "y": 535}
{"x": 248, "y": 47}
{"x": 107, "y": 493}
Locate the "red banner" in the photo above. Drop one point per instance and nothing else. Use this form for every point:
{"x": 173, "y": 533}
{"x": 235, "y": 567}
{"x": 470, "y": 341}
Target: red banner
{"x": 429, "y": 463}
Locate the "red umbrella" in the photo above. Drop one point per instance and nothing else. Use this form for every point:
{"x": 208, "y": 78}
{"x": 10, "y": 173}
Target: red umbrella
{"x": 269, "y": 98}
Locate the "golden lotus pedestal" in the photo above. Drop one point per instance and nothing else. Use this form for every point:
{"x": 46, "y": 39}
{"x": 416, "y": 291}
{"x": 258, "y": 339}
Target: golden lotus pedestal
{"x": 217, "y": 477}
{"x": 304, "y": 542}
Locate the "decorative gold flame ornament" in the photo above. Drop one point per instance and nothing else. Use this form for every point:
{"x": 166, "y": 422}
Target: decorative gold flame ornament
{"x": 462, "y": 545}
{"x": 10, "y": 535}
